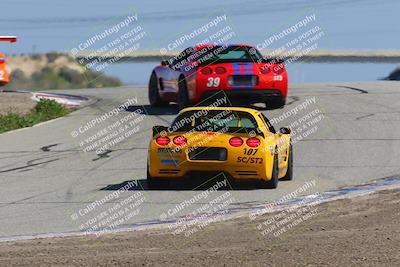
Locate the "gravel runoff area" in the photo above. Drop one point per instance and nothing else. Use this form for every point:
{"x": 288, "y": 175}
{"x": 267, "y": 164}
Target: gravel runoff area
{"x": 20, "y": 103}
{"x": 362, "y": 231}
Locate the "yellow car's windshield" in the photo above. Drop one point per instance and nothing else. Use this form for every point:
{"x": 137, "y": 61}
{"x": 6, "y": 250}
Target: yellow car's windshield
{"x": 214, "y": 120}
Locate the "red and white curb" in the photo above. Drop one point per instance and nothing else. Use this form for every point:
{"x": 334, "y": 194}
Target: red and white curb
{"x": 63, "y": 99}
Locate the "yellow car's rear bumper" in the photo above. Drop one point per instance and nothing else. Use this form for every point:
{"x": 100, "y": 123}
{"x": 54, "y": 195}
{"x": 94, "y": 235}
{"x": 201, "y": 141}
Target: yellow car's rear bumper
{"x": 164, "y": 164}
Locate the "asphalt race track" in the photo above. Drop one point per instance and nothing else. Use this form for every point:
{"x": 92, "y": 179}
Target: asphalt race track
{"x": 46, "y": 178}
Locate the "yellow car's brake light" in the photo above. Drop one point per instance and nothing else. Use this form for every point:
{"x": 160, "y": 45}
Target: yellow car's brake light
{"x": 253, "y": 142}
{"x": 236, "y": 141}
{"x": 162, "y": 140}
{"x": 179, "y": 140}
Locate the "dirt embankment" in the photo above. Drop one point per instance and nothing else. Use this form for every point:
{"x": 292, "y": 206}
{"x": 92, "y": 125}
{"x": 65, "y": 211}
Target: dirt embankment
{"x": 364, "y": 231}
{"x": 19, "y": 103}
{"x": 30, "y": 64}
{"x": 53, "y": 71}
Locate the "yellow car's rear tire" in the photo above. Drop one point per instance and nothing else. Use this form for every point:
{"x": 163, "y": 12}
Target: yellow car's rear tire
{"x": 275, "y": 103}
{"x": 154, "y": 184}
{"x": 289, "y": 173}
{"x": 273, "y": 182}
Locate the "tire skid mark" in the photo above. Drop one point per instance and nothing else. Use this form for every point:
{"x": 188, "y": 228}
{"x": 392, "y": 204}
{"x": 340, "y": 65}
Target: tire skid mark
{"x": 362, "y": 91}
{"x": 75, "y": 183}
{"x": 36, "y": 153}
{"x": 103, "y": 155}
{"x": 365, "y": 116}
{"x": 47, "y": 148}
{"x": 29, "y": 164}
{"x": 293, "y": 99}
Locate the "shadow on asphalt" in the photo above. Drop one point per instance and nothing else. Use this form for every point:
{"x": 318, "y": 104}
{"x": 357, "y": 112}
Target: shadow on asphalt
{"x": 150, "y": 110}
{"x": 173, "y": 109}
{"x": 141, "y": 185}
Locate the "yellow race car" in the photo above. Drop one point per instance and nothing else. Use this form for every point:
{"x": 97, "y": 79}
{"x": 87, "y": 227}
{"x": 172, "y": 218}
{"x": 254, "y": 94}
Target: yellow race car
{"x": 239, "y": 142}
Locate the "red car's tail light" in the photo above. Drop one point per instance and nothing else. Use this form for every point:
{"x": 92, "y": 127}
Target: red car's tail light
{"x": 253, "y": 142}
{"x": 179, "y": 140}
{"x": 206, "y": 71}
{"x": 264, "y": 69}
{"x": 162, "y": 140}
{"x": 2, "y": 60}
{"x": 220, "y": 70}
{"x": 278, "y": 69}
{"x": 236, "y": 141}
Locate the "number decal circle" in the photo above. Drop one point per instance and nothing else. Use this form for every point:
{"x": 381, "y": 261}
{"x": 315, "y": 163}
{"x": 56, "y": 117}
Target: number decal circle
{"x": 213, "y": 82}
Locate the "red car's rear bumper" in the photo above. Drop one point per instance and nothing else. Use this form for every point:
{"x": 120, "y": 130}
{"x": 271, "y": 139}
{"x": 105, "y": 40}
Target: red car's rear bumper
{"x": 245, "y": 95}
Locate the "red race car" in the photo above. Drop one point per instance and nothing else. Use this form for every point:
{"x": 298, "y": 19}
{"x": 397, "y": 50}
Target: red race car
{"x": 200, "y": 72}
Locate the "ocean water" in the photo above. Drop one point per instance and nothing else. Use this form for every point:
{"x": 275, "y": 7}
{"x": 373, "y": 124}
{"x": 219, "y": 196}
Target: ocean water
{"x": 45, "y": 25}
{"x": 139, "y": 73}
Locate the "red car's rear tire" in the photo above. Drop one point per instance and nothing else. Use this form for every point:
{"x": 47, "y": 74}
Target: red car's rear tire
{"x": 154, "y": 95}
{"x": 183, "y": 96}
{"x": 275, "y": 103}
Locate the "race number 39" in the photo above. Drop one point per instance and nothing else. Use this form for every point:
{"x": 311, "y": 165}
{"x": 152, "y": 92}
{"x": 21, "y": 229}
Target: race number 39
{"x": 213, "y": 82}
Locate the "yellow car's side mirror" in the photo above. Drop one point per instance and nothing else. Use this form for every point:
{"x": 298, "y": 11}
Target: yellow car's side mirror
{"x": 285, "y": 130}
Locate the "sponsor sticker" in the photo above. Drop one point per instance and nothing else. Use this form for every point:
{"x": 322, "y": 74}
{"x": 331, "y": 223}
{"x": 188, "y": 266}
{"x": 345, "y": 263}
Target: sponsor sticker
{"x": 169, "y": 161}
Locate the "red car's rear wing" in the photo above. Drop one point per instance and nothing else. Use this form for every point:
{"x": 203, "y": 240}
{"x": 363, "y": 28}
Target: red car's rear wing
{"x": 11, "y": 39}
